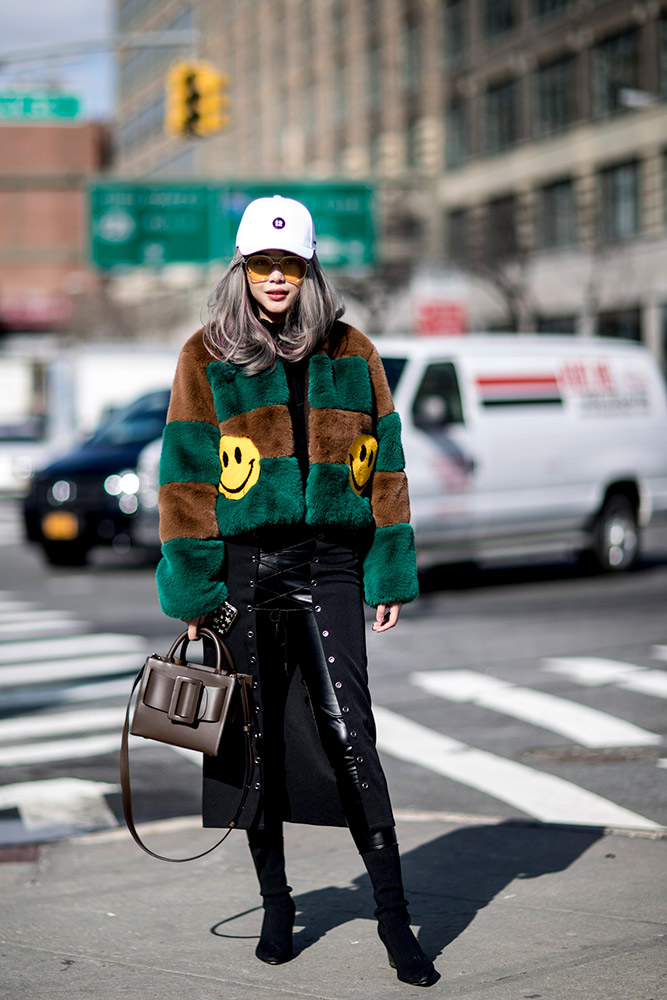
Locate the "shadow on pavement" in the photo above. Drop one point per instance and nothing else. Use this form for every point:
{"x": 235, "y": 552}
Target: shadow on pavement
{"x": 447, "y": 880}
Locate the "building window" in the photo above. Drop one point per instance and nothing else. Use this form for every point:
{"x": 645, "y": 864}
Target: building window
{"x": 501, "y": 236}
{"x": 499, "y": 16}
{"x": 457, "y": 236}
{"x": 556, "y": 324}
{"x": 556, "y": 95}
{"x": 374, "y": 72}
{"x": 502, "y": 116}
{"x": 619, "y": 202}
{"x": 549, "y": 6}
{"x": 663, "y": 56}
{"x": 625, "y": 324}
{"x": 557, "y": 215}
{"x": 412, "y": 54}
{"x": 453, "y": 27}
{"x": 456, "y": 134}
{"x": 412, "y": 143}
{"x": 615, "y": 66}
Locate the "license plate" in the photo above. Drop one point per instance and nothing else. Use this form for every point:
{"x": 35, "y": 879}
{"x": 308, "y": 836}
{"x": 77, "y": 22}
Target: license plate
{"x": 60, "y": 526}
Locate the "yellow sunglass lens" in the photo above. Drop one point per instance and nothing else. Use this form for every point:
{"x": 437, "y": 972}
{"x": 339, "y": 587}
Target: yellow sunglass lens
{"x": 259, "y": 267}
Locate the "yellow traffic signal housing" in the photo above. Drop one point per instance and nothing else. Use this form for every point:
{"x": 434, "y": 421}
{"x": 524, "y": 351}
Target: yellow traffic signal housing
{"x": 195, "y": 102}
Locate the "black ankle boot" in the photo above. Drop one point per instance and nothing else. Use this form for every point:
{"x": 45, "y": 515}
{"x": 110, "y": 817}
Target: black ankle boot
{"x": 275, "y": 942}
{"x": 404, "y": 951}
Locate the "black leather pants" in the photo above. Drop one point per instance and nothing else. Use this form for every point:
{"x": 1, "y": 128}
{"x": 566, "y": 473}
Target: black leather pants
{"x": 288, "y": 637}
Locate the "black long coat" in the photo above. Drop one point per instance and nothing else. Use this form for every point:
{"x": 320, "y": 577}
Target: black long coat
{"x": 308, "y": 792}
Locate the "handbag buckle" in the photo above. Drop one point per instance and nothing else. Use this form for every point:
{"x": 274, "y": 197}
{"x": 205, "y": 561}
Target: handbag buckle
{"x": 190, "y": 699}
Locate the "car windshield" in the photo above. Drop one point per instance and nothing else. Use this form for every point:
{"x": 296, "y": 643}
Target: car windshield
{"x": 139, "y": 423}
{"x": 393, "y": 368}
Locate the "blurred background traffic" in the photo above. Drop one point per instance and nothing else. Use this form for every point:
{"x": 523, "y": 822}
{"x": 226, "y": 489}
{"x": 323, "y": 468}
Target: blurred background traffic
{"x": 472, "y": 165}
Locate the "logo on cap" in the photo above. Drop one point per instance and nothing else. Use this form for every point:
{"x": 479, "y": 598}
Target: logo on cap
{"x": 278, "y": 223}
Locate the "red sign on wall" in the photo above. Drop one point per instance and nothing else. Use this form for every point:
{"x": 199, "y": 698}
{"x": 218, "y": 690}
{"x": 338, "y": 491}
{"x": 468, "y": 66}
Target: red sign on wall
{"x": 440, "y": 317}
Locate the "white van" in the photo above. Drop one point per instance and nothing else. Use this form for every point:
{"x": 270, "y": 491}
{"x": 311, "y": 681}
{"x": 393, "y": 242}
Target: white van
{"x": 523, "y": 444}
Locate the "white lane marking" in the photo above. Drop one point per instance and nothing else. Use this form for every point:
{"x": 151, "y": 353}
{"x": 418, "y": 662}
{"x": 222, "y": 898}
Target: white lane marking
{"x": 27, "y": 629}
{"x": 75, "y": 645}
{"x": 586, "y": 726}
{"x": 63, "y": 694}
{"x": 545, "y": 796}
{"x": 68, "y": 803}
{"x": 8, "y": 607}
{"x": 42, "y": 753}
{"x": 93, "y": 666}
{"x": 34, "y": 614}
{"x": 593, "y": 671}
{"x": 85, "y": 721}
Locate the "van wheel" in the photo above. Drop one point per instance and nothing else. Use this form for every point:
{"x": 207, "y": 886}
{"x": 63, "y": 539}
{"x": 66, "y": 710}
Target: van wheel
{"x": 65, "y": 553}
{"x": 616, "y": 536}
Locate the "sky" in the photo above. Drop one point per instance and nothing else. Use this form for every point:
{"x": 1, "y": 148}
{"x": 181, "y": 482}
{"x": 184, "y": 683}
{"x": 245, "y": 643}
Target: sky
{"x": 32, "y": 23}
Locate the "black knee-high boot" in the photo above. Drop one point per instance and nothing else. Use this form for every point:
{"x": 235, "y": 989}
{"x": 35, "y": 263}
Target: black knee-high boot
{"x": 383, "y": 865}
{"x": 268, "y": 855}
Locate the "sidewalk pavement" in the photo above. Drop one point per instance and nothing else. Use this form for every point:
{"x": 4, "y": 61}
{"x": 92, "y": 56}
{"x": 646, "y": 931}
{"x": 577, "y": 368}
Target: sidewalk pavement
{"x": 507, "y": 910}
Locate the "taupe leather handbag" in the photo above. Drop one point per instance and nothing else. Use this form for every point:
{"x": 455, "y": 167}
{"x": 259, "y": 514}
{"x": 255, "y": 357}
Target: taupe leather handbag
{"x": 188, "y": 705}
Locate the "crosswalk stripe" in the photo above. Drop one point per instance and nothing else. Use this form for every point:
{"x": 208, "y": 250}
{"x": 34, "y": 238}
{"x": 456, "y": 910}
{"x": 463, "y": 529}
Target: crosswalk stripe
{"x": 88, "y": 720}
{"x": 586, "y": 726}
{"x": 10, "y": 607}
{"x": 60, "y": 806}
{"x": 61, "y": 647}
{"x": 27, "y": 629}
{"x": 41, "y": 753}
{"x": 42, "y": 673}
{"x": 594, "y": 671}
{"x": 33, "y": 614}
{"x": 63, "y": 694}
{"x": 536, "y": 793}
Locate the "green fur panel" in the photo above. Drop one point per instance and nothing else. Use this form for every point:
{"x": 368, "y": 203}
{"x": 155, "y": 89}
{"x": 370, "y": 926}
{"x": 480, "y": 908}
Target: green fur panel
{"x": 390, "y": 566}
{"x": 276, "y": 498}
{"x": 235, "y": 392}
{"x": 190, "y": 453}
{"x": 190, "y": 577}
{"x": 343, "y": 384}
{"x": 330, "y": 498}
{"x": 390, "y": 450}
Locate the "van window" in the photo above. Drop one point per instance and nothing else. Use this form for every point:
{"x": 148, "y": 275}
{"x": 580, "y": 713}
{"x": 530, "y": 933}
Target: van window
{"x": 438, "y": 399}
{"x": 393, "y": 368}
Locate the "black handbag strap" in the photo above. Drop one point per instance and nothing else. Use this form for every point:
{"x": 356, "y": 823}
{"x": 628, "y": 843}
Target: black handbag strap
{"x": 126, "y": 790}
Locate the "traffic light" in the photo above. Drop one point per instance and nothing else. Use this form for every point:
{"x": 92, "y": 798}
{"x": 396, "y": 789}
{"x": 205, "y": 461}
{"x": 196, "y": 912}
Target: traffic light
{"x": 196, "y": 102}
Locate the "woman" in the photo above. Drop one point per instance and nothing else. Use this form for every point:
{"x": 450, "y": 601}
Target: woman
{"x": 282, "y": 487}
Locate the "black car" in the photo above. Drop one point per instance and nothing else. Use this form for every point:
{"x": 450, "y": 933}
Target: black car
{"x": 89, "y": 496}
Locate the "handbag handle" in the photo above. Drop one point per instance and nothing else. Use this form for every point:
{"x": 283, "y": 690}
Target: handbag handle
{"x": 248, "y": 729}
{"x": 220, "y": 648}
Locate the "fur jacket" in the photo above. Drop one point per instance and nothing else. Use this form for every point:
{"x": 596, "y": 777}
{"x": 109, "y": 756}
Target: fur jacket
{"x": 228, "y": 468}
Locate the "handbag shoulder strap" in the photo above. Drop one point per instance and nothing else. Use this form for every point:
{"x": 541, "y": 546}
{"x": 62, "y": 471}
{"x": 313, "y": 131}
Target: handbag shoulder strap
{"x": 126, "y": 790}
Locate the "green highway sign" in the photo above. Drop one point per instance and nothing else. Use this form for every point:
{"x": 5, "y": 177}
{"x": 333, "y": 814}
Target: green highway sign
{"x": 33, "y": 106}
{"x": 155, "y": 223}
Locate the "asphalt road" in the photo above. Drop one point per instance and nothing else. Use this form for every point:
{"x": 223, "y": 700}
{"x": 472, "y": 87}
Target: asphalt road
{"x": 531, "y": 692}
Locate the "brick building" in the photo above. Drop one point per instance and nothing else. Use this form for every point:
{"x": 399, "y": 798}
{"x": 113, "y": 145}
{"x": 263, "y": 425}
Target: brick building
{"x": 44, "y": 170}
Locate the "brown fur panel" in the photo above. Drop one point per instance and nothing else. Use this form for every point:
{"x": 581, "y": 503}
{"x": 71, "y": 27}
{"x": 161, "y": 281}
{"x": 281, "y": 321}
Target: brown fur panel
{"x": 331, "y": 432}
{"x": 191, "y": 396}
{"x": 269, "y": 427}
{"x": 390, "y": 499}
{"x": 188, "y": 510}
{"x": 383, "y": 401}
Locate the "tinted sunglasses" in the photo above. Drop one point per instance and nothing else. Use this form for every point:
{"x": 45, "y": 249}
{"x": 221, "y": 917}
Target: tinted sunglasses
{"x": 259, "y": 266}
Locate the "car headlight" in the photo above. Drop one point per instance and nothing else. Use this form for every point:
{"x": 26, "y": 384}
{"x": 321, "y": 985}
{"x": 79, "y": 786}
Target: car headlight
{"x": 122, "y": 483}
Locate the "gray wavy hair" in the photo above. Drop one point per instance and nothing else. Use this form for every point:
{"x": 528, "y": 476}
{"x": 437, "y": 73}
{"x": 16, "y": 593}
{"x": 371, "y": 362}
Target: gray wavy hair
{"x": 233, "y": 332}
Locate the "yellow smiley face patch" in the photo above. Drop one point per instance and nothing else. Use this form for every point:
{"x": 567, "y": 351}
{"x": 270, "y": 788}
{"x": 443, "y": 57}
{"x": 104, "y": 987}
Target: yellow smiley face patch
{"x": 239, "y": 459}
{"x": 361, "y": 460}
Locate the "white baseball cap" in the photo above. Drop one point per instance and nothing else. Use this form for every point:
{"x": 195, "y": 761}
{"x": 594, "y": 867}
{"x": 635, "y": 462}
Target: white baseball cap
{"x": 276, "y": 223}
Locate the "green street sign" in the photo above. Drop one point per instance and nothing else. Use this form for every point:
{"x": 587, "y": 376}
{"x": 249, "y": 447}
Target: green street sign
{"x": 151, "y": 224}
{"x": 32, "y": 105}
